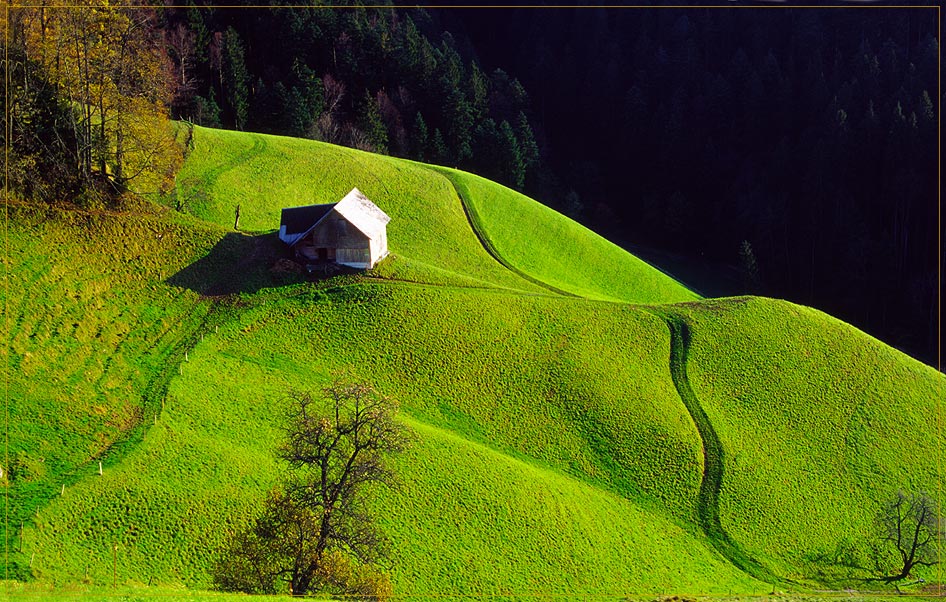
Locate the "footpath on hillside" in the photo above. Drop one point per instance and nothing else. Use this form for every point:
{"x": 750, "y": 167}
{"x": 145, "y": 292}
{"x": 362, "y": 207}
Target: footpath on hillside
{"x": 713, "y": 453}
{"x": 490, "y": 248}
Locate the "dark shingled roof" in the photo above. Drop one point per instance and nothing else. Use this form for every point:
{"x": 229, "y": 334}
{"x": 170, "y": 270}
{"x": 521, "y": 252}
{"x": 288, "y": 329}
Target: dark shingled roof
{"x": 299, "y": 219}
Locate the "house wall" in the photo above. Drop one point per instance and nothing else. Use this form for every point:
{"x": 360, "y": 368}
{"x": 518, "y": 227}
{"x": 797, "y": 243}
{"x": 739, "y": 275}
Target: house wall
{"x": 356, "y": 258}
{"x": 379, "y": 248}
{"x": 341, "y": 240}
{"x": 344, "y": 244}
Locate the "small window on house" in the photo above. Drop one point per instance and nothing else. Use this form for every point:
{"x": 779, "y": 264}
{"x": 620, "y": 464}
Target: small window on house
{"x": 342, "y": 227}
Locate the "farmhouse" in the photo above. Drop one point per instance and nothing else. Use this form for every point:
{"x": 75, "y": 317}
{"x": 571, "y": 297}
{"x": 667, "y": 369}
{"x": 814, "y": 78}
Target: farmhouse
{"x": 351, "y": 232}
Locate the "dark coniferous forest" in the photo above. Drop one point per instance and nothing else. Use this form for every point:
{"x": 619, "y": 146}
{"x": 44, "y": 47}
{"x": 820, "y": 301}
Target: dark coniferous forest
{"x": 798, "y": 146}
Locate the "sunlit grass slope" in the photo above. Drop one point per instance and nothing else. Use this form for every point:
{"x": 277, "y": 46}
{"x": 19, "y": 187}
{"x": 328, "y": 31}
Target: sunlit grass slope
{"x": 558, "y": 251}
{"x": 551, "y": 455}
{"x": 821, "y": 424}
{"x": 90, "y": 327}
{"x": 555, "y": 453}
{"x": 429, "y": 233}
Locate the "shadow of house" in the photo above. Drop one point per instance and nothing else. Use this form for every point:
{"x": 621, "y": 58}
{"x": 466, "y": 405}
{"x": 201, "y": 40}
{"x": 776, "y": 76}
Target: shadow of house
{"x": 240, "y": 263}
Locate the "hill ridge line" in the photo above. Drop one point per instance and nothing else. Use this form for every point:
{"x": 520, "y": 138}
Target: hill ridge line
{"x": 713, "y": 453}
{"x": 488, "y": 246}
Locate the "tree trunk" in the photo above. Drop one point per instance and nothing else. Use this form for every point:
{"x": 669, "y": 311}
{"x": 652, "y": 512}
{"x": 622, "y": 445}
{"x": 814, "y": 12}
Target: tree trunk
{"x": 103, "y": 151}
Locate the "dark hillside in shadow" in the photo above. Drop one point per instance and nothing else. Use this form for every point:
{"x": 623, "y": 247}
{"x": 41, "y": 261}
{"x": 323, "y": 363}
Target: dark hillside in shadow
{"x": 240, "y": 263}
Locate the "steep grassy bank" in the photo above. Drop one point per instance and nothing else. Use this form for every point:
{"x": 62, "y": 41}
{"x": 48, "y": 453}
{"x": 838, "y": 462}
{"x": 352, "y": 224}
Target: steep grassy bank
{"x": 820, "y": 426}
{"x": 91, "y": 329}
{"x": 553, "y": 249}
{"x": 517, "y": 483}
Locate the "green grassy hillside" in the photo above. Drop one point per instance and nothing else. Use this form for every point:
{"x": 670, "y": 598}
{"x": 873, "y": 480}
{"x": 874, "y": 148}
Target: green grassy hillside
{"x": 820, "y": 424}
{"x": 584, "y": 424}
{"x": 559, "y": 485}
{"x": 91, "y": 329}
{"x": 429, "y": 233}
{"x": 553, "y": 249}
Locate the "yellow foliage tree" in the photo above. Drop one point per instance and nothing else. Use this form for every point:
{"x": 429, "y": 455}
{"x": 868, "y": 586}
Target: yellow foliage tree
{"x": 111, "y": 66}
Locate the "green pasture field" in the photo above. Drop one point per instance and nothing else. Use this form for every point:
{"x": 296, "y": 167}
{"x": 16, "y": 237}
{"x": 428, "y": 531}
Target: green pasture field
{"x": 262, "y": 174}
{"x": 820, "y": 423}
{"x": 430, "y": 235}
{"x": 564, "y": 394}
{"x": 559, "y": 252}
{"x": 510, "y": 485}
{"x": 90, "y": 328}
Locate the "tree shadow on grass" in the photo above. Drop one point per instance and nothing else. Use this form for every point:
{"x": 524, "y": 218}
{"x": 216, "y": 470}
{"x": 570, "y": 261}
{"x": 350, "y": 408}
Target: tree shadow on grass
{"x": 240, "y": 263}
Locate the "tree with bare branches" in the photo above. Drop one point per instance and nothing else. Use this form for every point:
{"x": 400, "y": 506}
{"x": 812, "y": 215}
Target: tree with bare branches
{"x": 911, "y": 531}
{"x": 315, "y": 532}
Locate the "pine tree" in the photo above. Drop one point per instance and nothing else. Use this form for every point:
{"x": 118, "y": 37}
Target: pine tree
{"x": 478, "y": 90}
{"x": 488, "y": 160}
{"x": 419, "y": 137}
{"x": 370, "y": 120}
{"x": 750, "y": 268}
{"x": 527, "y": 146}
{"x": 235, "y": 77}
{"x": 459, "y": 114}
{"x": 927, "y": 112}
{"x": 438, "y": 149}
{"x": 206, "y": 110}
{"x": 513, "y": 167}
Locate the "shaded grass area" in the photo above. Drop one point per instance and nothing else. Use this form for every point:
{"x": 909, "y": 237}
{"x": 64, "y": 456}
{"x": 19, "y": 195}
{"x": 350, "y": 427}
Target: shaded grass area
{"x": 240, "y": 264}
{"x": 820, "y": 424}
{"x": 503, "y": 492}
{"x": 550, "y": 248}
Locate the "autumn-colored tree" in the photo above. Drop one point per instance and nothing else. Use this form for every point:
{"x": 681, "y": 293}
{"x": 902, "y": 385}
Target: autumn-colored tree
{"x": 35, "y": 141}
{"x": 109, "y": 65}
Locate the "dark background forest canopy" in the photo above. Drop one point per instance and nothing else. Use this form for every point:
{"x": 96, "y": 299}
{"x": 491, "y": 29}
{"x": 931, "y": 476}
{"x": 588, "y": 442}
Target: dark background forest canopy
{"x": 811, "y": 135}
{"x": 797, "y": 145}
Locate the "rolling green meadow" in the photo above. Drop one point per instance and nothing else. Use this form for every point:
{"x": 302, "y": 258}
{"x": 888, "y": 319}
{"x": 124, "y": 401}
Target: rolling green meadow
{"x": 583, "y": 424}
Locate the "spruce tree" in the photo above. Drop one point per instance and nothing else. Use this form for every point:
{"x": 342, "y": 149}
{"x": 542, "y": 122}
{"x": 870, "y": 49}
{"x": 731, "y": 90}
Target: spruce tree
{"x": 419, "y": 137}
{"x": 513, "y": 168}
{"x": 235, "y": 78}
{"x": 438, "y": 149}
{"x": 370, "y": 120}
{"x": 527, "y": 146}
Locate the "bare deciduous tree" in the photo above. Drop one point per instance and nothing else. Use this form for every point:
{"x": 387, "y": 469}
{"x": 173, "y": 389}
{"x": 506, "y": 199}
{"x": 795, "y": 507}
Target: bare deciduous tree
{"x": 911, "y": 532}
{"x": 317, "y": 522}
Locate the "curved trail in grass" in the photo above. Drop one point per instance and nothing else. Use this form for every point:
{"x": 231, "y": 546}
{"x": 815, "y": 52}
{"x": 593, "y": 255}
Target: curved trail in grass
{"x": 171, "y": 354}
{"x": 713, "y": 454}
{"x": 212, "y": 175}
{"x": 487, "y": 244}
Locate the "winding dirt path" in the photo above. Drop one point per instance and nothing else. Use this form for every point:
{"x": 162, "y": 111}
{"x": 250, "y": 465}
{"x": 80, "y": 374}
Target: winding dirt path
{"x": 713, "y": 454}
{"x": 488, "y": 246}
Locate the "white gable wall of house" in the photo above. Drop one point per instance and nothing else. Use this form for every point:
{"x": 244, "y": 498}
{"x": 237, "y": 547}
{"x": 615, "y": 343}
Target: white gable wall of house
{"x": 352, "y": 233}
